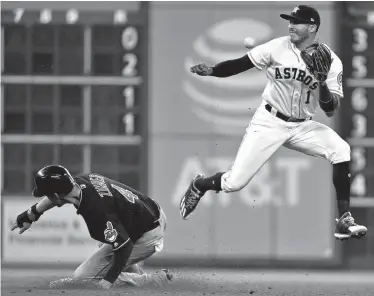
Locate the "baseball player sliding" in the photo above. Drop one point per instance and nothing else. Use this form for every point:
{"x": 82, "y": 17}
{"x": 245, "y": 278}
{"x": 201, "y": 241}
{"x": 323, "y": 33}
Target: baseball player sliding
{"x": 130, "y": 225}
{"x": 302, "y": 74}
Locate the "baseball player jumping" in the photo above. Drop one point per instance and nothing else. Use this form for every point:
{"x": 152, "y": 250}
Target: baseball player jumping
{"x": 302, "y": 73}
{"x": 129, "y": 224}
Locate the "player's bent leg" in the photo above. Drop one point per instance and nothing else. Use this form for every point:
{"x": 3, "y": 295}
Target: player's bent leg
{"x": 265, "y": 134}
{"x": 159, "y": 278}
{"x": 346, "y": 227}
{"x": 316, "y": 139}
{"x": 97, "y": 265}
{"x": 135, "y": 268}
{"x": 150, "y": 243}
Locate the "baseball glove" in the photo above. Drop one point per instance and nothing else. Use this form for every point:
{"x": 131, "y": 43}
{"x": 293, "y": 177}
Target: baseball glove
{"x": 318, "y": 60}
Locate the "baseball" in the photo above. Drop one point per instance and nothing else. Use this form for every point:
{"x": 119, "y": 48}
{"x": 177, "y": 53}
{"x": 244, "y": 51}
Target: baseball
{"x": 249, "y": 42}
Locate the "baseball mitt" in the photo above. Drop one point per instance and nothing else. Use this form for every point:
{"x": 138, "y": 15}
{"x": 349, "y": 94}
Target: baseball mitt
{"x": 318, "y": 60}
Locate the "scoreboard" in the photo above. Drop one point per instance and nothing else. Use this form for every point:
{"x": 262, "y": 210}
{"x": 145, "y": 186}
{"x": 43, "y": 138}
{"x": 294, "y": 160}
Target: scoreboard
{"x": 357, "y": 109}
{"x": 74, "y": 90}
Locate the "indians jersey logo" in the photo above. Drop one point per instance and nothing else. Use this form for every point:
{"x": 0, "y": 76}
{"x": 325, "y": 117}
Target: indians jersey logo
{"x": 110, "y": 233}
{"x": 228, "y": 104}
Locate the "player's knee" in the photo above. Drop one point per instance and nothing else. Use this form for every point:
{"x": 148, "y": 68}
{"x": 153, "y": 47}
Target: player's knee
{"x": 232, "y": 185}
{"x": 343, "y": 153}
{"x": 79, "y": 274}
{"x": 83, "y": 272}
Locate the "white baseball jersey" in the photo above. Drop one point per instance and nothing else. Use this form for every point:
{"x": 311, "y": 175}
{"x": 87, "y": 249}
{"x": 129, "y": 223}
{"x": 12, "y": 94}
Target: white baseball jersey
{"x": 291, "y": 89}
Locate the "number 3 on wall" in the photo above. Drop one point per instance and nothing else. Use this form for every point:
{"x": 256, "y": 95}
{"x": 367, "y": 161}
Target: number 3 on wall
{"x": 126, "y": 193}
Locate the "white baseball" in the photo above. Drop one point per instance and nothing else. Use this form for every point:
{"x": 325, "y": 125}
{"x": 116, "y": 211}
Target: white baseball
{"x": 249, "y": 42}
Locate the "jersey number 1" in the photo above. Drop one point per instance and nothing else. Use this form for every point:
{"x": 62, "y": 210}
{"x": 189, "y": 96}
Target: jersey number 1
{"x": 307, "y": 97}
{"x": 126, "y": 193}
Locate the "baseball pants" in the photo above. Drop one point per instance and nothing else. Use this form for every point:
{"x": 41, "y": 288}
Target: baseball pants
{"x": 266, "y": 133}
{"x": 98, "y": 264}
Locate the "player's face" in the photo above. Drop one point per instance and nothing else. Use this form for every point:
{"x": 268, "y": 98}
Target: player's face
{"x": 59, "y": 199}
{"x": 71, "y": 197}
{"x": 56, "y": 199}
{"x": 298, "y": 31}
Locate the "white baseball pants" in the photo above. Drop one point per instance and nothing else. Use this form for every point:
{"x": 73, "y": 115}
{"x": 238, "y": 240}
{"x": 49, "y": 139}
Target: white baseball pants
{"x": 266, "y": 133}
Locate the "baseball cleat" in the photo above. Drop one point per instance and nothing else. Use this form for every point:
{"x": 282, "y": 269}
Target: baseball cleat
{"x": 161, "y": 277}
{"x": 347, "y": 228}
{"x": 63, "y": 283}
{"x": 190, "y": 199}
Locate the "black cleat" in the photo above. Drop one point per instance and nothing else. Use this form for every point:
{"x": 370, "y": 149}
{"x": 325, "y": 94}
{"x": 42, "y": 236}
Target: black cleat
{"x": 347, "y": 228}
{"x": 190, "y": 199}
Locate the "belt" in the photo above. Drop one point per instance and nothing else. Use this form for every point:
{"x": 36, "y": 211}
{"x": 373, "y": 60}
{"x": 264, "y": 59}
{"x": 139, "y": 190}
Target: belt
{"x": 286, "y": 118}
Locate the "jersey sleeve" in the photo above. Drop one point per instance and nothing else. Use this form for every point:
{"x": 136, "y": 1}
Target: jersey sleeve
{"x": 334, "y": 79}
{"x": 261, "y": 54}
{"x": 115, "y": 234}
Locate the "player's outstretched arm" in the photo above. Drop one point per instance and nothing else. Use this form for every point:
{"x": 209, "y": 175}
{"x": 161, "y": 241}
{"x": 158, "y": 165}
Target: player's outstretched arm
{"x": 224, "y": 69}
{"x": 26, "y": 218}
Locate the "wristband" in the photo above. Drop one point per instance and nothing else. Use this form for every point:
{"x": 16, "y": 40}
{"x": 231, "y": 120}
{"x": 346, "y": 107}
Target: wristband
{"x": 35, "y": 212}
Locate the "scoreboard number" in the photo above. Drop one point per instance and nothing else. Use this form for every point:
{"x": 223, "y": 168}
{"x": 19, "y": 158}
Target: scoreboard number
{"x": 72, "y": 16}
{"x": 360, "y": 42}
{"x": 120, "y": 17}
{"x": 130, "y": 61}
{"x": 45, "y": 16}
{"x": 130, "y": 38}
{"x": 359, "y": 126}
{"x": 359, "y": 99}
{"x": 129, "y": 122}
{"x": 358, "y": 186}
{"x": 18, "y": 13}
{"x": 358, "y": 159}
{"x": 129, "y": 95}
{"x": 359, "y": 66}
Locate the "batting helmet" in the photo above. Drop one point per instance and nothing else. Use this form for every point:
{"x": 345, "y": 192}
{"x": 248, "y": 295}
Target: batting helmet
{"x": 52, "y": 179}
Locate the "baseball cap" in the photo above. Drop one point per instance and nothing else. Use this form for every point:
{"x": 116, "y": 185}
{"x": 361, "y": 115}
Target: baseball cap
{"x": 305, "y": 14}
